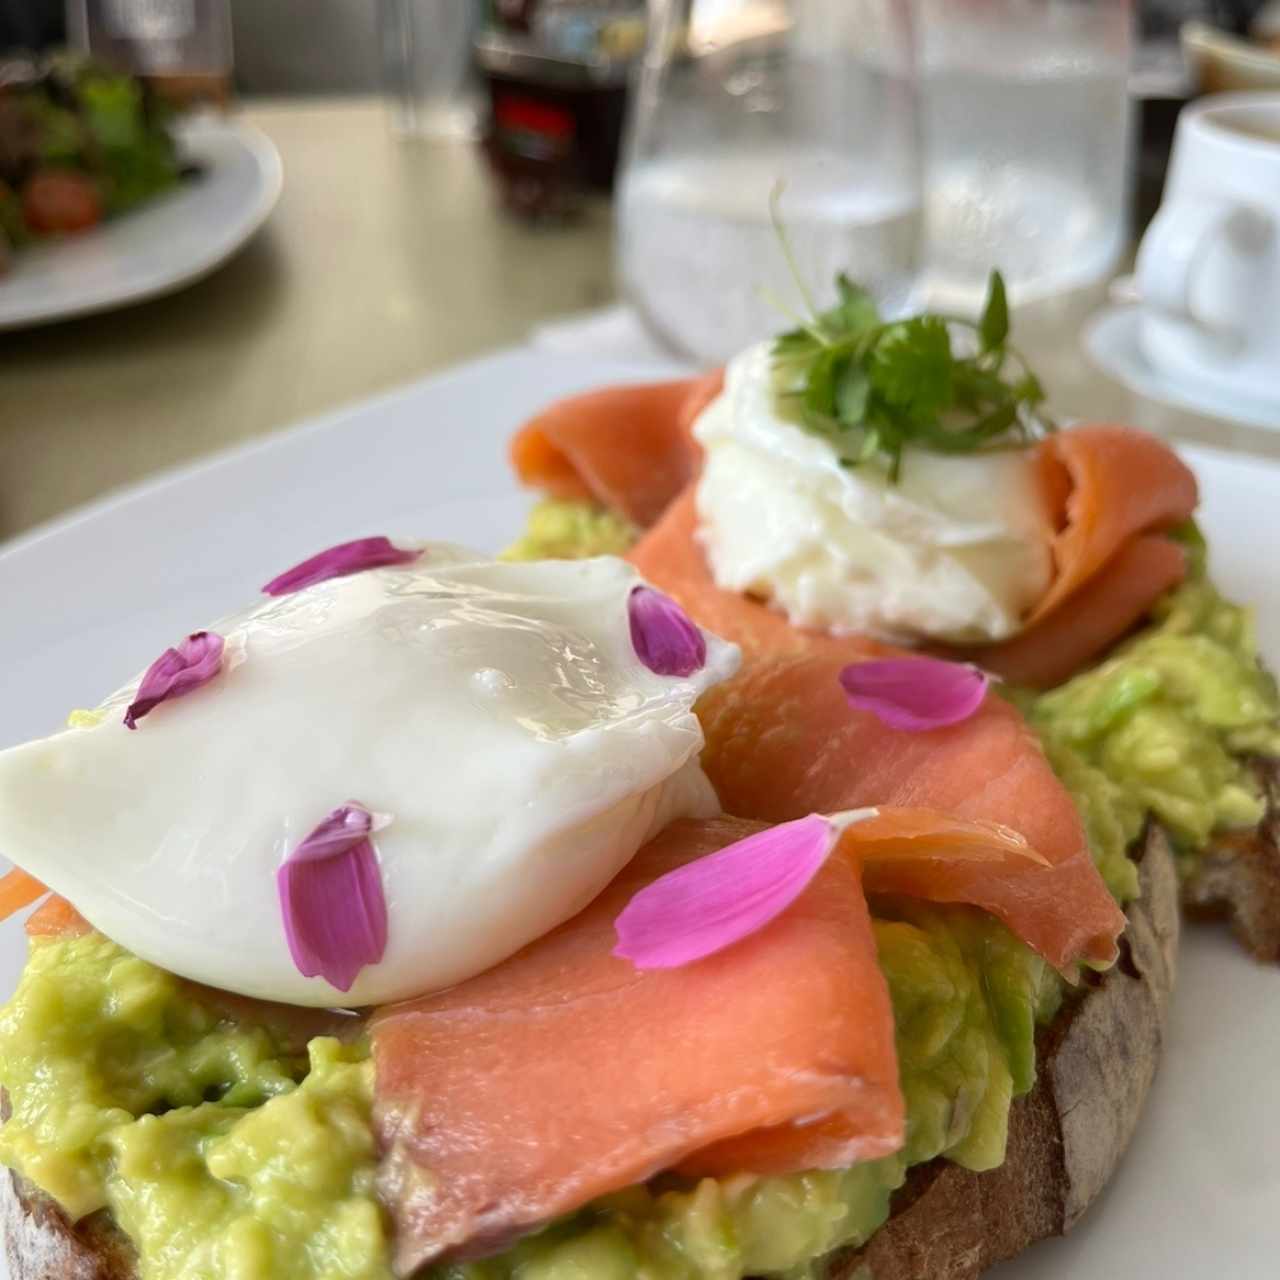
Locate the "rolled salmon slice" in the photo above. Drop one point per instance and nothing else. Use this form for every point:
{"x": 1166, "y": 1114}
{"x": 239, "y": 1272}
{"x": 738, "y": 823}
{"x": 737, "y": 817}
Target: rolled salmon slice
{"x": 1104, "y": 485}
{"x": 1111, "y": 492}
{"x": 1097, "y": 614}
{"x": 783, "y": 742}
{"x": 566, "y": 1073}
{"x": 628, "y": 448}
{"x": 1090, "y": 621}
{"x": 1107, "y": 490}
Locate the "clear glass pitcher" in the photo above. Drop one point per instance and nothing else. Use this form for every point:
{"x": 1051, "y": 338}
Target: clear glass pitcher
{"x": 1027, "y": 124}
{"x": 735, "y": 97}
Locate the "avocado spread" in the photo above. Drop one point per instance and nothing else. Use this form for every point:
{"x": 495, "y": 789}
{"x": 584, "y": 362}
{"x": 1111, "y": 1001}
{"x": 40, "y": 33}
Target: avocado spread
{"x": 224, "y": 1156}
{"x": 227, "y": 1155}
{"x": 221, "y": 1153}
{"x": 559, "y": 530}
{"x": 1165, "y": 726}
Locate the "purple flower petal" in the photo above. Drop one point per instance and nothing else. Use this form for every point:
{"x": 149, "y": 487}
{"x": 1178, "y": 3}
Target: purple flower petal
{"x": 338, "y": 562}
{"x": 331, "y": 900}
{"x": 915, "y": 693}
{"x": 176, "y": 672}
{"x": 710, "y": 904}
{"x": 665, "y": 638}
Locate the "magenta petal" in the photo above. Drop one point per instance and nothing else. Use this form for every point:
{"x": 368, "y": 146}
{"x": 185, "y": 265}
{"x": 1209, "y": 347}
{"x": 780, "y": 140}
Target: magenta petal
{"x": 710, "y": 904}
{"x": 331, "y": 899}
{"x": 338, "y": 562}
{"x": 175, "y": 672}
{"x": 663, "y": 635}
{"x": 915, "y": 693}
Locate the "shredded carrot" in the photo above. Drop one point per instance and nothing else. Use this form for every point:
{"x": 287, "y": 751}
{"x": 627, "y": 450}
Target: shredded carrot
{"x": 18, "y": 890}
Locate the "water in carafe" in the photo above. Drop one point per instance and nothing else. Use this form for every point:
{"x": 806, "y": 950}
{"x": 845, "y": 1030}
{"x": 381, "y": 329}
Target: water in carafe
{"x": 1026, "y": 121}
{"x": 813, "y": 99}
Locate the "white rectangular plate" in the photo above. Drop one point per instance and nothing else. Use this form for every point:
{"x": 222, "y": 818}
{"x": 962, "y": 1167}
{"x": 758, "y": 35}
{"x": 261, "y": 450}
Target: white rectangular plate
{"x": 92, "y": 599}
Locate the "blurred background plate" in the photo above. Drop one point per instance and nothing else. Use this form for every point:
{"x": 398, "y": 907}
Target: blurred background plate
{"x": 160, "y": 247}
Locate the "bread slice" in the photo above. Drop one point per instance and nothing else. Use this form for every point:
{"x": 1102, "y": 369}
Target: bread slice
{"x": 1095, "y": 1065}
{"x": 1238, "y": 879}
{"x": 1097, "y": 1061}
{"x": 41, "y": 1244}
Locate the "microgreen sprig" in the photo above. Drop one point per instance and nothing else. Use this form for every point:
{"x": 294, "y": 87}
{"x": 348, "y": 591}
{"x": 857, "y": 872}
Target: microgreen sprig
{"x": 875, "y": 388}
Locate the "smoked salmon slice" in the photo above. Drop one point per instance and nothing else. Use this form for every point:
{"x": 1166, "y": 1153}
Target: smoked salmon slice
{"x": 565, "y": 1072}
{"x": 1111, "y": 493}
{"x": 783, "y": 742}
{"x": 18, "y": 890}
{"x": 1097, "y": 613}
{"x": 1107, "y": 607}
{"x": 629, "y": 448}
{"x": 55, "y": 917}
{"x": 1105, "y": 485}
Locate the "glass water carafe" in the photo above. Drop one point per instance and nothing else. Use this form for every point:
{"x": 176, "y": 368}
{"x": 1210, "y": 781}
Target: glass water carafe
{"x": 737, "y": 99}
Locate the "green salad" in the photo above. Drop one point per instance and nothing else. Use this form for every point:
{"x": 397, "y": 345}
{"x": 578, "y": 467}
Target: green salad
{"x": 78, "y": 143}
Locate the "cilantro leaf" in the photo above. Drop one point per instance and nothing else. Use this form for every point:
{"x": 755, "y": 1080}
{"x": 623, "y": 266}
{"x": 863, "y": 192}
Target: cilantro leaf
{"x": 911, "y": 366}
{"x": 875, "y": 389}
{"x": 855, "y": 313}
{"x": 993, "y": 328}
{"x": 1028, "y": 389}
{"x": 852, "y": 392}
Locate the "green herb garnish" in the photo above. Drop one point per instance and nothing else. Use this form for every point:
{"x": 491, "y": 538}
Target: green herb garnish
{"x": 874, "y": 387}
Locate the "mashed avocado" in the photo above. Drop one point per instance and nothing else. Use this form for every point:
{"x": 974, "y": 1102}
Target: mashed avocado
{"x": 718, "y": 1229}
{"x": 1164, "y": 726}
{"x": 571, "y": 531}
{"x": 967, "y": 997}
{"x": 222, "y": 1155}
{"x": 225, "y": 1156}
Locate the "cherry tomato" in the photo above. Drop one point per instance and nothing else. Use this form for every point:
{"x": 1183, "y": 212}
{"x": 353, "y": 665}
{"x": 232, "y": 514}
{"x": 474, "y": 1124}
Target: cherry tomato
{"x": 60, "y": 200}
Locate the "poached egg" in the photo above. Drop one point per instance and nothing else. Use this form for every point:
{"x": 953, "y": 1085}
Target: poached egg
{"x": 957, "y": 549}
{"x": 495, "y": 713}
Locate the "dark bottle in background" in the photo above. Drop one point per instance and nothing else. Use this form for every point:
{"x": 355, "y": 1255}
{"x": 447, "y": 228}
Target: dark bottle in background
{"x": 556, "y": 72}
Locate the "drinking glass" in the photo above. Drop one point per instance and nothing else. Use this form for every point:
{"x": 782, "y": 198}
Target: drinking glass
{"x": 734, "y": 99}
{"x": 1027, "y": 135}
{"x": 182, "y": 47}
{"x": 427, "y": 67}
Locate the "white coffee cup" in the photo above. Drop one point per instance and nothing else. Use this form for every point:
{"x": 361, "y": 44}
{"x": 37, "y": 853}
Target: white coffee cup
{"x": 1209, "y": 266}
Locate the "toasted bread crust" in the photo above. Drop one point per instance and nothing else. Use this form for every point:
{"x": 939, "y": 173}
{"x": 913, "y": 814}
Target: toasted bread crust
{"x": 41, "y": 1244}
{"x": 1238, "y": 878}
{"x": 1096, "y": 1063}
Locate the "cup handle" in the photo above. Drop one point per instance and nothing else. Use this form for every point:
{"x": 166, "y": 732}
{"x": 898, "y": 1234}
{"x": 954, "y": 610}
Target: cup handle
{"x": 1177, "y": 239}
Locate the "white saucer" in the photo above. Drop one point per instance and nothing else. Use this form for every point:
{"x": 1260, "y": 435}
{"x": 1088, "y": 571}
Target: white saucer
{"x": 1110, "y": 339}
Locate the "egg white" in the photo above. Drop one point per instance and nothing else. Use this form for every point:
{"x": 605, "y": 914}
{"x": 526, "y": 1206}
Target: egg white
{"x": 957, "y": 549}
{"x": 496, "y": 712}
